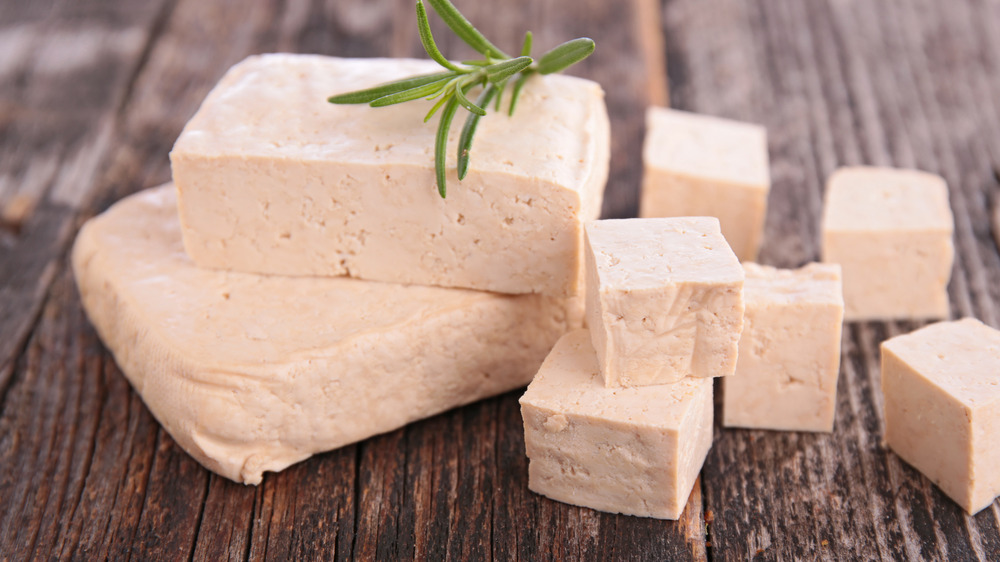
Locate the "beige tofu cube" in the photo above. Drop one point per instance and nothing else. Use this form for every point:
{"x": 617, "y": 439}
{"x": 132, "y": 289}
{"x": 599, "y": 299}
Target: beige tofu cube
{"x": 786, "y": 376}
{"x": 942, "y": 407}
{"x": 625, "y": 450}
{"x": 664, "y": 299}
{"x": 891, "y": 232}
{"x": 697, "y": 165}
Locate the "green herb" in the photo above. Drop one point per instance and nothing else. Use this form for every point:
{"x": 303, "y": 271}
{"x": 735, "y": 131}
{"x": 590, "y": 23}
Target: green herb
{"x": 492, "y": 73}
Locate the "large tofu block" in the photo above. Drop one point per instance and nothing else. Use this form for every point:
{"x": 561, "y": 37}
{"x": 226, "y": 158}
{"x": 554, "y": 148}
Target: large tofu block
{"x": 273, "y": 179}
{"x": 625, "y": 450}
{"x": 941, "y": 386}
{"x": 697, "y": 165}
{"x": 891, "y": 232}
{"x": 664, "y": 299}
{"x": 253, "y": 373}
{"x": 786, "y": 376}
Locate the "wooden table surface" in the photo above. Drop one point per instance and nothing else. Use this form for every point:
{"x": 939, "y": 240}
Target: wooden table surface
{"x": 94, "y": 92}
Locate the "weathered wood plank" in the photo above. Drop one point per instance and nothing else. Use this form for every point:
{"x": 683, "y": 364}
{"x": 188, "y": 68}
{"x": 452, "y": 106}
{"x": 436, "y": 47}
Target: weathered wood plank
{"x": 63, "y": 75}
{"x": 840, "y": 83}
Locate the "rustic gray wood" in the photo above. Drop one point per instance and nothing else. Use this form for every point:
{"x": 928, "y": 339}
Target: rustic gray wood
{"x": 910, "y": 84}
{"x": 92, "y": 95}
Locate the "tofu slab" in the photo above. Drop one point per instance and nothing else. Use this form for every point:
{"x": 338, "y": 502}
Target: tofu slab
{"x": 273, "y": 179}
{"x": 699, "y": 165}
{"x": 891, "y": 232}
{"x": 635, "y": 451}
{"x": 664, "y": 299}
{"x": 789, "y": 360}
{"x": 253, "y": 373}
{"x": 941, "y": 386}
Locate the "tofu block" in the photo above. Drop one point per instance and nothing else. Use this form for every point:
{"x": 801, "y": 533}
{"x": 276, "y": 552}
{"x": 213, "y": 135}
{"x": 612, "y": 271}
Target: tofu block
{"x": 635, "y": 451}
{"x": 697, "y": 165}
{"x": 273, "y": 179}
{"x": 664, "y": 299}
{"x": 786, "y": 376}
{"x": 891, "y": 232}
{"x": 253, "y": 373}
{"x": 941, "y": 386}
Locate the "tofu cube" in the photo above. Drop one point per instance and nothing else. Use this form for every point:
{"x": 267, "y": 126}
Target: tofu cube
{"x": 664, "y": 299}
{"x": 273, "y": 179}
{"x": 941, "y": 386}
{"x": 786, "y": 376}
{"x": 635, "y": 451}
{"x": 697, "y": 165}
{"x": 891, "y": 232}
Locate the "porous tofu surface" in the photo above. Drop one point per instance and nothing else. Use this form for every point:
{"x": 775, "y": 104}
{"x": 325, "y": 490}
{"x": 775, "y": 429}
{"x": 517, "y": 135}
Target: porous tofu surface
{"x": 626, "y": 450}
{"x": 274, "y": 179}
{"x": 865, "y": 198}
{"x": 891, "y": 232}
{"x": 789, "y": 358}
{"x": 664, "y": 299}
{"x": 707, "y": 147}
{"x": 941, "y": 386}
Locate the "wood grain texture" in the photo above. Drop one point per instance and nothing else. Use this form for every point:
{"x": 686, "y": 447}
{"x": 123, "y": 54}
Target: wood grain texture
{"x": 86, "y": 472}
{"x": 911, "y": 84}
{"x": 93, "y": 94}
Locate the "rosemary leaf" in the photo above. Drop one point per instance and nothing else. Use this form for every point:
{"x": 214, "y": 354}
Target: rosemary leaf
{"x": 436, "y": 107}
{"x": 371, "y": 94}
{"x": 526, "y": 46}
{"x": 501, "y": 71}
{"x": 424, "y": 28}
{"x": 500, "y": 88}
{"x": 464, "y": 102}
{"x": 411, "y": 94}
{"x": 441, "y": 144}
{"x": 517, "y": 91}
{"x": 565, "y": 55}
{"x": 469, "y": 129}
{"x": 465, "y": 30}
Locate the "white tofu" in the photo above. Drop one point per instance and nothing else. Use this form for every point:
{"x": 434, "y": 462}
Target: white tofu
{"x": 273, "y": 179}
{"x": 697, "y": 165}
{"x": 625, "y": 450}
{"x": 253, "y": 373}
{"x": 941, "y": 386}
{"x": 891, "y": 232}
{"x": 786, "y": 376}
{"x": 664, "y": 299}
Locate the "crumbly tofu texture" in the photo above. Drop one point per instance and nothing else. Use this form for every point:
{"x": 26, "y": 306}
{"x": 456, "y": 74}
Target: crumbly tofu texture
{"x": 698, "y": 165}
{"x": 273, "y": 179}
{"x": 941, "y": 386}
{"x": 789, "y": 360}
{"x": 253, "y": 373}
{"x": 635, "y": 451}
{"x": 664, "y": 299}
{"x": 891, "y": 232}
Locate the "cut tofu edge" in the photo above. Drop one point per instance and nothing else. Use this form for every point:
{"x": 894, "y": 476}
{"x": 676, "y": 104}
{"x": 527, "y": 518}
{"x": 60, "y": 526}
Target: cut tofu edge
{"x": 275, "y": 180}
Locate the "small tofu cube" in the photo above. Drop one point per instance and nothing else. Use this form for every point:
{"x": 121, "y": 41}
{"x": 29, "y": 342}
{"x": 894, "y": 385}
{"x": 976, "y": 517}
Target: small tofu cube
{"x": 942, "y": 407}
{"x": 891, "y": 232}
{"x": 664, "y": 299}
{"x": 700, "y": 165}
{"x": 625, "y": 450}
{"x": 786, "y": 376}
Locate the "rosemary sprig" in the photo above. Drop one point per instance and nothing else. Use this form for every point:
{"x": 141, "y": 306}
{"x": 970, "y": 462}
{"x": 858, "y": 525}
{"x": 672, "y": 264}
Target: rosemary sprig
{"x": 451, "y": 87}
